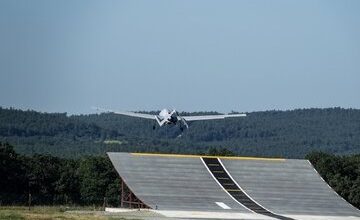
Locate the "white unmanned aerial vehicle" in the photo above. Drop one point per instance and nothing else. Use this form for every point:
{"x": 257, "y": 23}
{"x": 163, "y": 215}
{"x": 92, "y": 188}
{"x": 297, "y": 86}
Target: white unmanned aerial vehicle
{"x": 167, "y": 117}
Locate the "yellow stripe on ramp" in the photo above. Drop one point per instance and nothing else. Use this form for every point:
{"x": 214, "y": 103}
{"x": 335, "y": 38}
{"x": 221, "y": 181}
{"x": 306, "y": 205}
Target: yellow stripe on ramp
{"x": 197, "y": 156}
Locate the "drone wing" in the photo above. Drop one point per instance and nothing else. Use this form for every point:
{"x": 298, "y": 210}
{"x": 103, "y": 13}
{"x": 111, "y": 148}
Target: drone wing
{"x": 131, "y": 114}
{"x": 211, "y": 117}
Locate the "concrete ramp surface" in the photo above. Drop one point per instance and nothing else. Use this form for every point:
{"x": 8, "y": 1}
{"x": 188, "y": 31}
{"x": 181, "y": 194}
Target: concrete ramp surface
{"x": 230, "y": 187}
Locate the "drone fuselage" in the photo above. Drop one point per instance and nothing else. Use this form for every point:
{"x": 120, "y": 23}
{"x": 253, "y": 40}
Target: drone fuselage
{"x": 167, "y": 117}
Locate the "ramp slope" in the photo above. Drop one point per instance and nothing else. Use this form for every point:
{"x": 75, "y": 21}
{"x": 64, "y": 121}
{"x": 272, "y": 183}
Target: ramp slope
{"x": 169, "y": 183}
{"x": 293, "y": 187}
{"x": 184, "y": 183}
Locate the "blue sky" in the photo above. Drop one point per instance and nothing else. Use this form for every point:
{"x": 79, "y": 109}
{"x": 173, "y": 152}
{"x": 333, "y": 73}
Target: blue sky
{"x": 66, "y": 56}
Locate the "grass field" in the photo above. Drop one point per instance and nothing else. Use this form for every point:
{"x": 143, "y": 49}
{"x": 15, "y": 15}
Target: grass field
{"x": 52, "y": 212}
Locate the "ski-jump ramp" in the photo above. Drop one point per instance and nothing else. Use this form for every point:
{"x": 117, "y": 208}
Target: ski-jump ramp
{"x": 192, "y": 186}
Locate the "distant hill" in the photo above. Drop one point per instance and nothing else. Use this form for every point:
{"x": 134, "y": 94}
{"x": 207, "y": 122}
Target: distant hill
{"x": 290, "y": 134}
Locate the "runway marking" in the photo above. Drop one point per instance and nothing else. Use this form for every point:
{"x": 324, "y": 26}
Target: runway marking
{"x": 236, "y": 192}
{"x": 198, "y": 156}
{"x": 233, "y": 190}
{"x": 217, "y": 181}
{"x": 223, "y": 178}
{"x": 222, "y": 205}
{"x": 218, "y": 171}
{"x": 213, "y": 165}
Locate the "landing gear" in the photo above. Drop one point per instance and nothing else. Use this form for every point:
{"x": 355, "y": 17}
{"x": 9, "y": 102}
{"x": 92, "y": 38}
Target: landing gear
{"x": 154, "y": 126}
{"x": 181, "y": 128}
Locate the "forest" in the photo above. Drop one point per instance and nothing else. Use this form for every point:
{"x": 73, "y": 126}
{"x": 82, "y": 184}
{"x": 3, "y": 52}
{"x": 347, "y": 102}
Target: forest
{"x": 288, "y": 134}
{"x": 88, "y": 180}
{"x": 61, "y": 159}
{"x": 51, "y": 180}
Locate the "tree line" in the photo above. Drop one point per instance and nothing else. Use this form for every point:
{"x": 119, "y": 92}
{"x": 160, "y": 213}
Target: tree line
{"x": 289, "y": 134}
{"x": 87, "y": 180}
{"x": 342, "y": 173}
{"x": 50, "y": 180}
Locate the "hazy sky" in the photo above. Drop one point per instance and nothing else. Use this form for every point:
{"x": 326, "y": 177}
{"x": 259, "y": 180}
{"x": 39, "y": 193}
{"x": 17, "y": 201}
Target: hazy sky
{"x": 66, "y": 56}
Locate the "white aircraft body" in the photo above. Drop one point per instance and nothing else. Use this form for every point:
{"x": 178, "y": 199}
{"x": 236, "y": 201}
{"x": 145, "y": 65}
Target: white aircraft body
{"x": 167, "y": 117}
